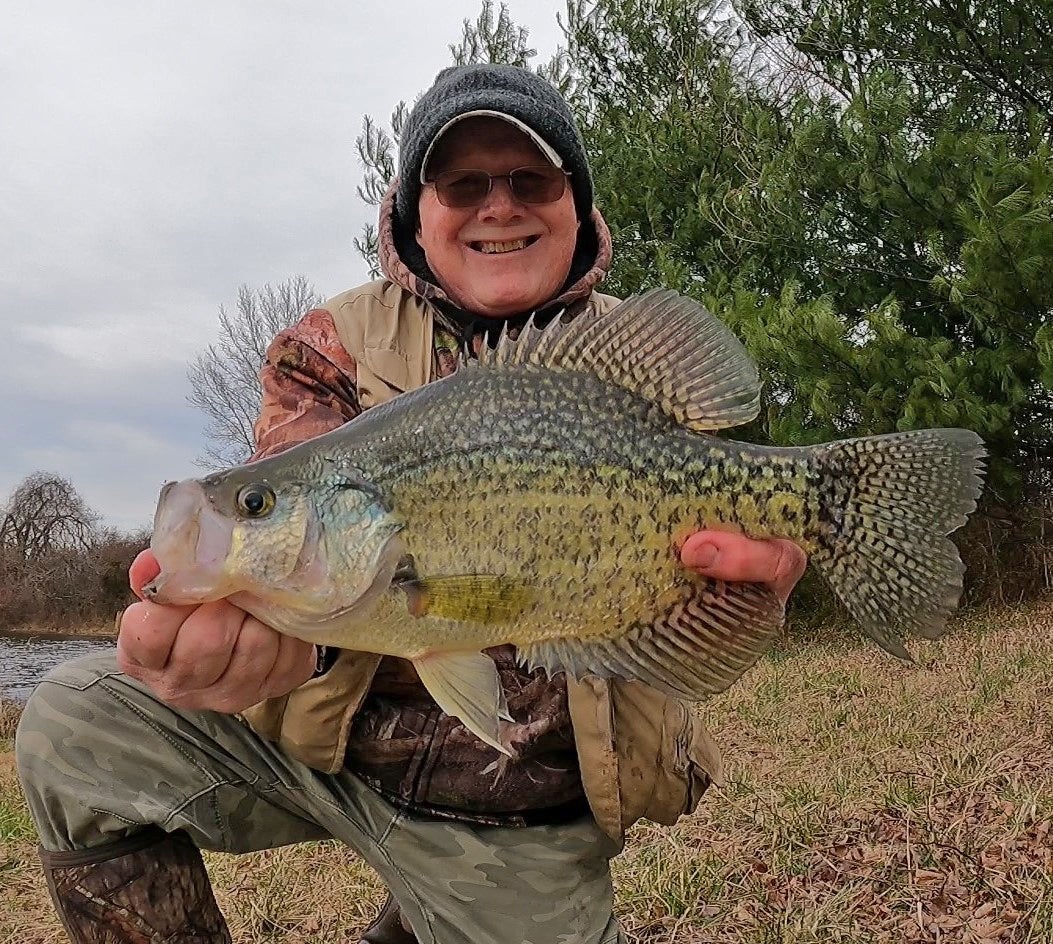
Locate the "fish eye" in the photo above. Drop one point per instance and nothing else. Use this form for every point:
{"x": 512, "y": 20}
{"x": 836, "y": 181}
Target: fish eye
{"x": 255, "y": 501}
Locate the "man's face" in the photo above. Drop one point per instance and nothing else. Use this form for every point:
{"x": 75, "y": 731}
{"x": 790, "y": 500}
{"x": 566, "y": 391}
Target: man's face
{"x": 473, "y": 251}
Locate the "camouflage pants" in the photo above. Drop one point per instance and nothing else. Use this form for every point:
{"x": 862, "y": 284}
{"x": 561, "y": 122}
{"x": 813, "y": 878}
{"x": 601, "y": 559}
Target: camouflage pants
{"x": 100, "y": 758}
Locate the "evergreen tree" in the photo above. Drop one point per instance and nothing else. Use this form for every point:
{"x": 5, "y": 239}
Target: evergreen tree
{"x": 862, "y": 190}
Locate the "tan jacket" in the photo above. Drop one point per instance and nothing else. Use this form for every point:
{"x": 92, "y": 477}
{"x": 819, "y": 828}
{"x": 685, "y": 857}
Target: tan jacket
{"x": 642, "y": 754}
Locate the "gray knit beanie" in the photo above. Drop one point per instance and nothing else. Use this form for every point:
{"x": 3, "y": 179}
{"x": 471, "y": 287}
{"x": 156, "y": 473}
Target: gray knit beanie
{"x": 485, "y": 87}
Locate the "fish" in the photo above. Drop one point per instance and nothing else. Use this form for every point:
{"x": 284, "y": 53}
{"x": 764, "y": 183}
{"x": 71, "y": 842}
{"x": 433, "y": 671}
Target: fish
{"x": 540, "y": 496}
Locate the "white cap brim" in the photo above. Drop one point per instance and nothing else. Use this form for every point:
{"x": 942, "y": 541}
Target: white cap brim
{"x": 550, "y": 152}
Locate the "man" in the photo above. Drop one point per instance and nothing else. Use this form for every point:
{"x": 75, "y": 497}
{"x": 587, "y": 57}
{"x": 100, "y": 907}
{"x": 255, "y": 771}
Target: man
{"x": 129, "y": 767}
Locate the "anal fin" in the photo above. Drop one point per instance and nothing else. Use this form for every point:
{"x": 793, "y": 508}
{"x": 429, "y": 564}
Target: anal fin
{"x": 467, "y": 686}
{"x": 698, "y": 645}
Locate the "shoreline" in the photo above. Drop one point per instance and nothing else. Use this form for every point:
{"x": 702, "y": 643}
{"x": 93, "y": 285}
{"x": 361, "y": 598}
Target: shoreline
{"x": 102, "y": 633}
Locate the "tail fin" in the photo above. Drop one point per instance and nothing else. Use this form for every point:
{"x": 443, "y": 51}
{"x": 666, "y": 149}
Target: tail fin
{"x": 889, "y": 502}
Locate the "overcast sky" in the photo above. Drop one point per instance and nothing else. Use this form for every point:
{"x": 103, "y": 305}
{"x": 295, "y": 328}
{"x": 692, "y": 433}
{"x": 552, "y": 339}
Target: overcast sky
{"x": 153, "y": 157}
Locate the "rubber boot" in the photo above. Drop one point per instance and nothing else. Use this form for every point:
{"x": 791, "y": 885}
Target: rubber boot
{"x": 147, "y": 889}
{"x": 388, "y": 926}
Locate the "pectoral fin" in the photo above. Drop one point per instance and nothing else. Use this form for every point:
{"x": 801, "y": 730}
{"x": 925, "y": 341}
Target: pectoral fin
{"x": 466, "y": 685}
{"x": 469, "y": 598}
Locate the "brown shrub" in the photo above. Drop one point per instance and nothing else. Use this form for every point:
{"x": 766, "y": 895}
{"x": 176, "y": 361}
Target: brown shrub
{"x": 68, "y": 586}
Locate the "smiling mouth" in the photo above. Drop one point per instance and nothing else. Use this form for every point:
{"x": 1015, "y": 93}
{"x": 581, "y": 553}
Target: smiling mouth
{"x": 491, "y": 247}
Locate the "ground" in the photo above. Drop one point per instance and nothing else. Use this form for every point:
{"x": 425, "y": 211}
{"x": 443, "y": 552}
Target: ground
{"x": 866, "y": 800}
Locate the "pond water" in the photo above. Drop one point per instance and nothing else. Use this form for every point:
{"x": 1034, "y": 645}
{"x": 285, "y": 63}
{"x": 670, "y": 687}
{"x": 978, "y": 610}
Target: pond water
{"x": 23, "y": 662}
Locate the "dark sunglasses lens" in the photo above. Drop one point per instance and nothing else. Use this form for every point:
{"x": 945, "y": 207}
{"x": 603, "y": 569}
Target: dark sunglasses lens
{"x": 538, "y": 184}
{"x": 462, "y": 188}
{"x": 467, "y": 188}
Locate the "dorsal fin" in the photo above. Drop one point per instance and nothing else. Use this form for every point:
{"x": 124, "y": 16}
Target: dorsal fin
{"x": 661, "y": 346}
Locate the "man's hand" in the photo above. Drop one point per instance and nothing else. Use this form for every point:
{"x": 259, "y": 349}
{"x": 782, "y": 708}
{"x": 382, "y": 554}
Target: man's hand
{"x": 735, "y": 557}
{"x": 212, "y": 657}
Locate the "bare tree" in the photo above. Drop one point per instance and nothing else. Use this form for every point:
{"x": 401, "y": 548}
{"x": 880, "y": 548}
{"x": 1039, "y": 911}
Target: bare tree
{"x": 59, "y": 566}
{"x": 45, "y": 514}
{"x": 224, "y": 379}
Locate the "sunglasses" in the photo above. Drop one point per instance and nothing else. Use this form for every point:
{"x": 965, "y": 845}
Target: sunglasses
{"x": 459, "y": 189}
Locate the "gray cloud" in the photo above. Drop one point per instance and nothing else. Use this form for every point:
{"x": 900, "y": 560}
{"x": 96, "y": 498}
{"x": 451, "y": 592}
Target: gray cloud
{"x": 155, "y": 157}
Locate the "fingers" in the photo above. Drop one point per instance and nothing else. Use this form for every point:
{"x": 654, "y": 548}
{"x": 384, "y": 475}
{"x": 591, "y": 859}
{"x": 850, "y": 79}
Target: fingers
{"x": 735, "y": 557}
{"x": 212, "y": 657}
{"x": 146, "y": 635}
{"x": 202, "y": 650}
{"x": 244, "y": 681}
{"x": 792, "y": 564}
{"x": 295, "y": 665}
{"x": 261, "y": 664}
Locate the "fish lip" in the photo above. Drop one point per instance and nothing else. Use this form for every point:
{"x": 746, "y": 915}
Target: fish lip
{"x": 186, "y": 525}
{"x": 158, "y": 591}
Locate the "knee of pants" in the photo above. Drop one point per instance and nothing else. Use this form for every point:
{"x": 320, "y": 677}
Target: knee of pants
{"x": 56, "y": 715}
{"x": 100, "y": 757}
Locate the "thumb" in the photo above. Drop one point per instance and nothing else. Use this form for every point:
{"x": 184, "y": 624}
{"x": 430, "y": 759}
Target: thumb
{"x": 143, "y": 569}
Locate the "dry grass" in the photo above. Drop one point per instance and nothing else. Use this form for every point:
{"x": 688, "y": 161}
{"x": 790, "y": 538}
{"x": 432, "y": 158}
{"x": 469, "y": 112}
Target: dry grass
{"x": 870, "y": 801}
{"x": 10, "y": 711}
{"x": 866, "y": 801}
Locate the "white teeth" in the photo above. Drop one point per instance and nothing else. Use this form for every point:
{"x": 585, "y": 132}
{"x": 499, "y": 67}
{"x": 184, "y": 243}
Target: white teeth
{"x": 502, "y": 247}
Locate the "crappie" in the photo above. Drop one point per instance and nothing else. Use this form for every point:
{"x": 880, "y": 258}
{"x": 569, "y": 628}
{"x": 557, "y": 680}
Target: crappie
{"x": 540, "y": 497}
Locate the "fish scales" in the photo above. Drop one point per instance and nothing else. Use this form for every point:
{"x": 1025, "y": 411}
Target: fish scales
{"x": 541, "y": 497}
{"x": 562, "y": 499}
{"x": 751, "y": 486}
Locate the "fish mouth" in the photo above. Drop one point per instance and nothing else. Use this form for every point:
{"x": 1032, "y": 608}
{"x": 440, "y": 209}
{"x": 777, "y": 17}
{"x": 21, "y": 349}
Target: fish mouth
{"x": 495, "y": 247}
{"x": 191, "y": 542}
